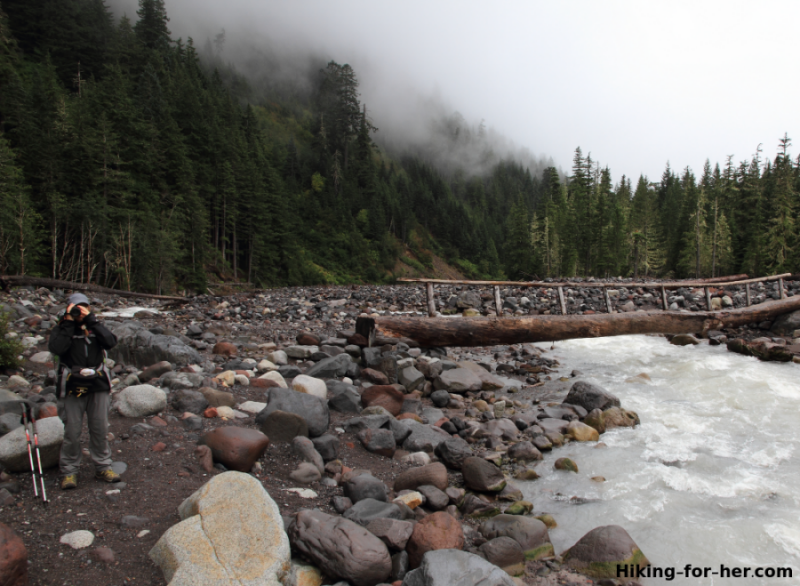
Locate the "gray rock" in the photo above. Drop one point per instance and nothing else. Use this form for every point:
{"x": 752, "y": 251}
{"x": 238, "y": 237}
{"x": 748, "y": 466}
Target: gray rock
{"x": 435, "y": 499}
{"x": 411, "y": 378}
{"x": 400, "y": 429}
{"x": 357, "y": 424}
{"x": 392, "y": 532}
{"x": 786, "y": 324}
{"x": 313, "y": 409}
{"x": 14, "y": 446}
{"x": 452, "y": 567}
{"x": 304, "y": 448}
{"x": 440, "y": 398}
{"x": 365, "y": 486}
{"x": 133, "y": 522}
{"x": 306, "y": 473}
{"x": 503, "y": 552}
{"x": 155, "y": 371}
{"x": 140, "y": 347}
{"x": 424, "y": 438}
{"x": 282, "y": 427}
{"x": 343, "y": 397}
{"x": 368, "y": 509}
{"x": 482, "y": 476}
{"x": 340, "y": 548}
{"x": 530, "y": 533}
{"x": 192, "y": 401}
{"x": 590, "y": 397}
{"x": 327, "y": 445}
{"x": 468, "y": 299}
{"x": 524, "y": 452}
{"x": 453, "y": 452}
{"x": 604, "y": 547}
{"x": 140, "y": 401}
{"x": 458, "y": 380}
{"x": 400, "y": 565}
{"x": 9, "y": 422}
{"x": 335, "y": 366}
{"x": 379, "y": 441}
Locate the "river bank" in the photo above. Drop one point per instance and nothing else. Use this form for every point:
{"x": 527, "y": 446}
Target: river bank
{"x": 233, "y": 338}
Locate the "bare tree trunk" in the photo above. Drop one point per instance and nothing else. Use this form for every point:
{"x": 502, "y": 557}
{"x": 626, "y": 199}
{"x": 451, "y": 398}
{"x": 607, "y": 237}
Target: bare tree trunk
{"x": 490, "y": 331}
{"x": 19, "y": 281}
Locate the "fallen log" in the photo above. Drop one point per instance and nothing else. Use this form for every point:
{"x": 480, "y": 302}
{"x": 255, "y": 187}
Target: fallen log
{"x": 21, "y": 280}
{"x": 490, "y": 331}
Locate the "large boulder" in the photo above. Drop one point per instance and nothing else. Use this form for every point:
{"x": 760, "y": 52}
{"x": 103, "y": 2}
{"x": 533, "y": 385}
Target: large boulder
{"x": 333, "y": 367}
{"x": 14, "y": 445}
{"x": 313, "y": 409}
{"x": 451, "y": 567}
{"x": 458, "y": 380}
{"x": 140, "y": 401}
{"x": 340, "y": 548}
{"x": 530, "y": 533}
{"x": 482, "y": 475}
{"x": 590, "y": 397}
{"x": 231, "y": 533}
{"x": 238, "y": 448}
{"x": 601, "y": 551}
{"x": 138, "y": 346}
{"x": 13, "y": 558}
{"x": 436, "y": 531}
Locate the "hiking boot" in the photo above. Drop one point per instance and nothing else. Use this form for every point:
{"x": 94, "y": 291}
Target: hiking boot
{"x": 108, "y": 476}
{"x": 69, "y": 481}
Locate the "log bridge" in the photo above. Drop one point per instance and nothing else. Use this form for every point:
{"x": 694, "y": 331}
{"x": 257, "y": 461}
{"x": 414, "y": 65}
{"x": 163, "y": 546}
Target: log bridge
{"x": 490, "y": 331}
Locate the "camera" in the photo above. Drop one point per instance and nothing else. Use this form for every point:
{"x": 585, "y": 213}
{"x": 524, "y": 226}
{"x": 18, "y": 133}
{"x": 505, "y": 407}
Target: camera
{"x": 75, "y": 312}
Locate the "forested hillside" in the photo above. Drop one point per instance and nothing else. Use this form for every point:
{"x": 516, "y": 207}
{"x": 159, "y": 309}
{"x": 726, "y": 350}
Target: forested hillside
{"x": 127, "y": 160}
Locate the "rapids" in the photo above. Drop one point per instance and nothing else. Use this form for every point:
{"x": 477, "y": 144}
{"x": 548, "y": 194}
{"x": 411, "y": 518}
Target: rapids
{"x": 710, "y": 477}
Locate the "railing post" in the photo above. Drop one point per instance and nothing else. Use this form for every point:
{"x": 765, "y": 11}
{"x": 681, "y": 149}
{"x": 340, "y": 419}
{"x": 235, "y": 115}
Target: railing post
{"x": 608, "y": 299}
{"x": 664, "y": 297}
{"x": 498, "y": 304}
{"x": 780, "y": 288}
{"x": 431, "y": 302}
{"x": 708, "y": 298}
{"x": 561, "y": 301}
{"x": 747, "y": 290}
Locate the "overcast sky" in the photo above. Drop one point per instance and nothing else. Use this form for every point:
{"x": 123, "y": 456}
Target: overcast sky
{"x": 635, "y": 83}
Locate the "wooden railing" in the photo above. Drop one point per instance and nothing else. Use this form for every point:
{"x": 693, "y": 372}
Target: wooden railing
{"x": 706, "y": 284}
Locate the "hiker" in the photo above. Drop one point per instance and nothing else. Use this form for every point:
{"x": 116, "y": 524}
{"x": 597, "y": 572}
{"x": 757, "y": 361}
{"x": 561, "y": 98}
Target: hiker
{"x": 84, "y": 386}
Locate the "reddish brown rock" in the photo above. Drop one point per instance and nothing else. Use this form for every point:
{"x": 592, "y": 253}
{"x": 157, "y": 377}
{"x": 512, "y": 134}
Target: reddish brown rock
{"x": 308, "y": 339}
{"x": 224, "y": 349}
{"x": 158, "y": 422}
{"x": 47, "y": 410}
{"x": 33, "y": 321}
{"x": 433, "y": 474}
{"x": 375, "y": 376}
{"x": 211, "y": 412}
{"x": 237, "y": 448}
{"x": 103, "y": 554}
{"x": 159, "y": 447}
{"x": 13, "y": 558}
{"x": 413, "y": 416}
{"x": 386, "y": 396}
{"x": 436, "y": 531}
{"x": 358, "y": 340}
{"x": 155, "y": 371}
{"x": 203, "y": 454}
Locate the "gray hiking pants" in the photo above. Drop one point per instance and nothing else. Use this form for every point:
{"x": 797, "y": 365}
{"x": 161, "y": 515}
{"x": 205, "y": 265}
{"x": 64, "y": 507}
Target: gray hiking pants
{"x": 71, "y": 410}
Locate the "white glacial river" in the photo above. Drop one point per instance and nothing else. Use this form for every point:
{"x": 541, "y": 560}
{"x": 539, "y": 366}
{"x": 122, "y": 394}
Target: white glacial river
{"x": 710, "y": 477}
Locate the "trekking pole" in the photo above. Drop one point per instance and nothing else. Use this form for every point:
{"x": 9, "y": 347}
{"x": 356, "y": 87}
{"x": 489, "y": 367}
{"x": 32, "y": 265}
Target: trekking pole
{"x": 38, "y": 456}
{"x": 30, "y": 448}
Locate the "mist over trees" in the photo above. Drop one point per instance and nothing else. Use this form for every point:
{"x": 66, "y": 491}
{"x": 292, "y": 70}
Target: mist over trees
{"x": 134, "y": 160}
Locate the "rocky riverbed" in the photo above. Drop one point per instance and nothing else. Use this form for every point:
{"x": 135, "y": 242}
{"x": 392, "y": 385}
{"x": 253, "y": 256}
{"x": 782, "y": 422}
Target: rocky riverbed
{"x": 371, "y": 459}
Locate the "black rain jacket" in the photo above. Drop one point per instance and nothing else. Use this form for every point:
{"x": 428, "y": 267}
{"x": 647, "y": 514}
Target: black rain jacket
{"x": 76, "y": 349}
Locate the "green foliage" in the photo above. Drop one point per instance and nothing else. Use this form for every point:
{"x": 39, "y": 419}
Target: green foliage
{"x": 10, "y": 348}
{"x": 413, "y": 263}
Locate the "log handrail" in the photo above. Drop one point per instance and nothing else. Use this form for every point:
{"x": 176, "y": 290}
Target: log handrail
{"x": 706, "y": 284}
{"x": 600, "y": 285}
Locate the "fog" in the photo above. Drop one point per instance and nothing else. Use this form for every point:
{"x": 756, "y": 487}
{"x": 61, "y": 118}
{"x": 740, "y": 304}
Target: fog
{"x": 636, "y": 84}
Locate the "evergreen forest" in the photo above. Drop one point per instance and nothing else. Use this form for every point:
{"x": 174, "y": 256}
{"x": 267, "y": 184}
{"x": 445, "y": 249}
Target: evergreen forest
{"x": 131, "y": 159}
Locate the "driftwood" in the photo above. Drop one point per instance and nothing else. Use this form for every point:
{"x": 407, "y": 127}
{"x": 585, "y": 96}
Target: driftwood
{"x": 19, "y": 281}
{"x": 489, "y": 331}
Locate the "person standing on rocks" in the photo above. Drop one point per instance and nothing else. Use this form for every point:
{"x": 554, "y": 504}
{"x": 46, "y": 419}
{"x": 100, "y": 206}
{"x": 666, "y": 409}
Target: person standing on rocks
{"x": 84, "y": 386}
